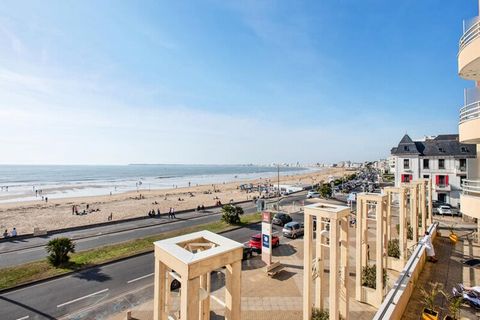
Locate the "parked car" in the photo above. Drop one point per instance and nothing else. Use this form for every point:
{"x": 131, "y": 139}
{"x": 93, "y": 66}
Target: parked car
{"x": 446, "y": 210}
{"x": 293, "y": 229}
{"x": 281, "y": 218}
{"x": 313, "y": 194}
{"x": 256, "y": 242}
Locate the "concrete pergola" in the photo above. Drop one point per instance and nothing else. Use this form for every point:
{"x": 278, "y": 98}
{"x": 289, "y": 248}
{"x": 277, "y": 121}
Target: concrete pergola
{"x": 400, "y": 193}
{"x": 371, "y": 207}
{"x": 420, "y": 195}
{"x": 190, "y": 258}
{"x": 335, "y": 239}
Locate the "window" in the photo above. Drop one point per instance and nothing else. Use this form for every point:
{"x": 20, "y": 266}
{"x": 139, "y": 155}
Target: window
{"x": 426, "y": 164}
{"x": 406, "y": 148}
{"x": 406, "y": 177}
{"x": 441, "y": 181}
{"x": 462, "y": 164}
{"x": 426, "y": 176}
{"x": 463, "y": 149}
{"x": 406, "y": 164}
{"x": 441, "y": 163}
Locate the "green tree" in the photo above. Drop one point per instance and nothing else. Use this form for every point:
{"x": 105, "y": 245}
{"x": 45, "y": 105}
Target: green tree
{"x": 325, "y": 190}
{"x": 231, "y": 214}
{"x": 58, "y": 250}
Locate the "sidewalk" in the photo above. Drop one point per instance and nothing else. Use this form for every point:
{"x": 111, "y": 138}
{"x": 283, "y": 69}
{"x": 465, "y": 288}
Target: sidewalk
{"x": 95, "y": 231}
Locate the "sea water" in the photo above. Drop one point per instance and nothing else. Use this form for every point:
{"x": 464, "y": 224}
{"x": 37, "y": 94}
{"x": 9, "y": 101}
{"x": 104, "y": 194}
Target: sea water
{"x": 31, "y": 182}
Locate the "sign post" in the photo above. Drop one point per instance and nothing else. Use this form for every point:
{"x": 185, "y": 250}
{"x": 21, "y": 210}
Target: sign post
{"x": 267, "y": 237}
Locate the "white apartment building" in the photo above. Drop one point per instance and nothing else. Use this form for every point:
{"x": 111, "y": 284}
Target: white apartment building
{"x": 442, "y": 159}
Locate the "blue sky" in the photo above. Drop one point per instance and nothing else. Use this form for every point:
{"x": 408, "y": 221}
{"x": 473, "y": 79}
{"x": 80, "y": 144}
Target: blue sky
{"x": 107, "y": 82}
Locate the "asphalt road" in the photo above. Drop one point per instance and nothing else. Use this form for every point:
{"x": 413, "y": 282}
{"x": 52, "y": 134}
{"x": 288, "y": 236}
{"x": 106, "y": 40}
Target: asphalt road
{"x": 27, "y": 250}
{"x": 98, "y": 291}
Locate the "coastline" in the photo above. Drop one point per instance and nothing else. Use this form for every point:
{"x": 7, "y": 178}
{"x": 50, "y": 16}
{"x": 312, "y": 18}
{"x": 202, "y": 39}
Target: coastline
{"x": 57, "y": 213}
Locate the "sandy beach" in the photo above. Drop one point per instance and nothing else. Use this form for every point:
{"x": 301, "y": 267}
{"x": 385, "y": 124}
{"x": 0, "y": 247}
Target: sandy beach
{"x": 57, "y": 213}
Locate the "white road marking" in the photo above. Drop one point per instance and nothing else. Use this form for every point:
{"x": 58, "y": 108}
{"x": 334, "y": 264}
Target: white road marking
{"x": 84, "y": 297}
{"x": 140, "y": 278}
{"x": 23, "y": 318}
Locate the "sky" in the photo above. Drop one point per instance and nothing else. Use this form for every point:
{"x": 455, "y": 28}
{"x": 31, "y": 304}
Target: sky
{"x": 118, "y": 82}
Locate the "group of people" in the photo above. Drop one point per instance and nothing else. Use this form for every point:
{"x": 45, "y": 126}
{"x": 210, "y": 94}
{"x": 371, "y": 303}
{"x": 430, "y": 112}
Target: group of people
{"x": 8, "y": 235}
{"x": 171, "y": 213}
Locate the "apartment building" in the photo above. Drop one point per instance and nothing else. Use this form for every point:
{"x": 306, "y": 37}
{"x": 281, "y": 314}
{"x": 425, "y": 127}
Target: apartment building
{"x": 469, "y": 120}
{"x": 442, "y": 159}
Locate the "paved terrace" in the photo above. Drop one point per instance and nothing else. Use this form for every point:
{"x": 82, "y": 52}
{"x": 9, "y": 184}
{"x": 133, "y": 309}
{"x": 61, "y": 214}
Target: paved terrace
{"x": 449, "y": 271}
{"x": 277, "y": 298}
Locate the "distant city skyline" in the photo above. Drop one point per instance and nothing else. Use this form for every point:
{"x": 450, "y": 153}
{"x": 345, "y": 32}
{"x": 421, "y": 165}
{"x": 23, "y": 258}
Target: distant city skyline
{"x": 117, "y": 82}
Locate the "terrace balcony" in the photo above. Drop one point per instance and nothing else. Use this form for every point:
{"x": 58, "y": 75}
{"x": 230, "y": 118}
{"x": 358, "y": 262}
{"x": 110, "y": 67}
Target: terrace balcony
{"x": 469, "y": 122}
{"x": 469, "y": 50}
{"x": 470, "y": 198}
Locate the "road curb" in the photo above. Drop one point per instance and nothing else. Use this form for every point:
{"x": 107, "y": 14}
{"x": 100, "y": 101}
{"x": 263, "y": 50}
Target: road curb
{"x": 40, "y": 281}
{"x": 107, "y": 223}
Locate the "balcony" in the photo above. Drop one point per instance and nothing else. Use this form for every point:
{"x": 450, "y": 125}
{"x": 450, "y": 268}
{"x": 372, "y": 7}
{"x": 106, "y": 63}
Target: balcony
{"x": 460, "y": 170}
{"x": 469, "y": 122}
{"x": 469, "y": 50}
{"x": 470, "y": 198}
{"x": 442, "y": 187}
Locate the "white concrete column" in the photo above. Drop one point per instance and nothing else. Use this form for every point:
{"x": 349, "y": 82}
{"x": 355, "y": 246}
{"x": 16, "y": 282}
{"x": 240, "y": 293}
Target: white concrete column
{"x": 334, "y": 268}
{"x": 233, "y": 292}
{"x": 160, "y": 291}
{"x": 307, "y": 266}
{"x": 189, "y": 299}
{"x": 344, "y": 289}
{"x": 205, "y": 304}
{"x": 319, "y": 296}
{"x": 379, "y": 250}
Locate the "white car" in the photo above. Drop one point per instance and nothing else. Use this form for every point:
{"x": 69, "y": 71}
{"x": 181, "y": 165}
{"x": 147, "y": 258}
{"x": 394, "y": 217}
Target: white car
{"x": 445, "y": 210}
{"x": 313, "y": 194}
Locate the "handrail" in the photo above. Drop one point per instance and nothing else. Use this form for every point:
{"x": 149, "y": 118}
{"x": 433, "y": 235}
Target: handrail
{"x": 406, "y": 272}
{"x": 471, "y": 33}
{"x": 469, "y": 112}
{"x": 472, "y": 186}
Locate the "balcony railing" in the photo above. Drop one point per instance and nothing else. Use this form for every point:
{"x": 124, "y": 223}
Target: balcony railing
{"x": 471, "y": 186}
{"x": 443, "y": 187}
{"x": 471, "y": 31}
{"x": 471, "y": 109}
{"x": 460, "y": 169}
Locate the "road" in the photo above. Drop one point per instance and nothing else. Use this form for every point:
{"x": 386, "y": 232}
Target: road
{"x": 99, "y": 291}
{"x": 32, "y": 249}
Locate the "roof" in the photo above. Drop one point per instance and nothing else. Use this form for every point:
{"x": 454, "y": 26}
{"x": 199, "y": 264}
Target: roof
{"x": 442, "y": 145}
{"x": 220, "y": 244}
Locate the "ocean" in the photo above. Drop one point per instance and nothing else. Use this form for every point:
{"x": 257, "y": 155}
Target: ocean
{"x": 25, "y": 182}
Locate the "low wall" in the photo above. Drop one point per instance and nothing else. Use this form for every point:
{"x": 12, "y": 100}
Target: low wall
{"x": 397, "y": 298}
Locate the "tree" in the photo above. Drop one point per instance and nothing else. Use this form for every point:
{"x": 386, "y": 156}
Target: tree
{"x": 58, "y": 250}
{"x": 231, "y": 214}
{"x": 325, "y": 190}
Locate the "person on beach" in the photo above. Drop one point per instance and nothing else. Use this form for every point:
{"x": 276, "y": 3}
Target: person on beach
{"x": 173, "y": 213}
{"x": 110, "y": 217}
{"x": 46, "y": 199}
{"x": 158, "y": 212}
{"x": 170, "y": 213}
{"x": 14, "y": 232}
{"x": 5, "y": 234}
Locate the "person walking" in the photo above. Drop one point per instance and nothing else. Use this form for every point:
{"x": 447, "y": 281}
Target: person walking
{"x": 427, "y": 241}
{"x": 170, "y": 213}
{"x": 173, "y": 213}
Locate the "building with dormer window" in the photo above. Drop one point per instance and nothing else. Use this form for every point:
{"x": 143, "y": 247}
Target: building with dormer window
{"x": 442, "y": 158}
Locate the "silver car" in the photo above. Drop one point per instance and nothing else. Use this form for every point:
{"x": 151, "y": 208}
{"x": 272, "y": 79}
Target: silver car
{"x": 293, "y": 229}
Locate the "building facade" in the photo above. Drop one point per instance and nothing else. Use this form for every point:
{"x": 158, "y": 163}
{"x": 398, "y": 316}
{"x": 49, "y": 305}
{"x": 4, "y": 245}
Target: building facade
{"x": 469, "y": 120}
{"x": 443, "y": 159}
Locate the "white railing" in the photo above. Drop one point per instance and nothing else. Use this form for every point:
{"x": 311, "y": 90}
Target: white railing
{"x": 471, "y": 110}
{"x": 471, "y": 186}
{"x": 471, "y": 31}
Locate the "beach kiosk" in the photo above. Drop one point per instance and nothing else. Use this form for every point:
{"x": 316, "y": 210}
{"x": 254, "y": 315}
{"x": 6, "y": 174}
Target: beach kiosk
{"x": 190, "y": 259}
